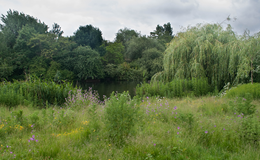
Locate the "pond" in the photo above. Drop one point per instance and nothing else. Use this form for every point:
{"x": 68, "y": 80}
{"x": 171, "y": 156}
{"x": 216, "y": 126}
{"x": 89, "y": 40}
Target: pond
{"x": 106, "y": 88}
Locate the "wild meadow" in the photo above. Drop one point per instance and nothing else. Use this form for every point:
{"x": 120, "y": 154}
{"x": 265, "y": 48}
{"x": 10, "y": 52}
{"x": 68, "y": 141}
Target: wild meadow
{"x": 185, "y": 112}
{"x": 142, "y": 127}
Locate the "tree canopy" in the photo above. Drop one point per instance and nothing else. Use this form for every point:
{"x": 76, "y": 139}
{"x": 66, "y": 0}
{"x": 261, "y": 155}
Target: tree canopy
{"x": 137, "y": 45}
{"x": 206, "y": 51}
{"x": 14, "y": 21}
{"x": 87, "y": 63}
{"x": 114, "y": 53}
{"x": 163, "y": 33}
{"x": 88, "y": 36}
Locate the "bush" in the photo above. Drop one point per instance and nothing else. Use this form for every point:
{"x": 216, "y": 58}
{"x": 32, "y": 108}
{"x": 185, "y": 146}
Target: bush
{"x": 250, "y": 130}
{"x": 120, "y": 115}
{"x": 243, "y": 105}
{"x": 241, "y": 90}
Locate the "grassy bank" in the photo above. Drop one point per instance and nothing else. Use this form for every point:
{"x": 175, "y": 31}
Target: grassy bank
{"x": 154, "y": 128}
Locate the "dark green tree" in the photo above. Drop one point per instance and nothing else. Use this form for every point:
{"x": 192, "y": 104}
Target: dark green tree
{"x": 22, "y": 51}
{"x": 38, "y": 66}
{"x": 6, "y": 69}
{"x": 114, "y": 53}
{"x": 88, "y": 36}
{"x": 87, "y": 63}
{"x": 137, "y": 45}
{"x": 125, "y": 35}
{"x": 56, "y": 30}
{"x": 14, "y": 21}
{"x": 163, "y": 33}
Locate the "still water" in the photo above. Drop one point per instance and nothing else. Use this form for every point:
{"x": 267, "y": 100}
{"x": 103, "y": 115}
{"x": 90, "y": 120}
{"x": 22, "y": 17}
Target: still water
{"x": 106, "y": 88}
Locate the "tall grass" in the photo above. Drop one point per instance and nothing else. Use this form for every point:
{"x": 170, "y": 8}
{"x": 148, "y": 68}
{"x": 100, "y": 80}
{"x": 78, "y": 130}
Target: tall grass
{"x": 35, "y": 91}
{"x": 175, "y": 88}
{"x": 155, "y": 128}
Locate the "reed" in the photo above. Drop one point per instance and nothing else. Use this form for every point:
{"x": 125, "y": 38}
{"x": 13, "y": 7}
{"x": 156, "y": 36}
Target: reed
{"x": 175, "y": 88}
{"x": 35, "y": 92}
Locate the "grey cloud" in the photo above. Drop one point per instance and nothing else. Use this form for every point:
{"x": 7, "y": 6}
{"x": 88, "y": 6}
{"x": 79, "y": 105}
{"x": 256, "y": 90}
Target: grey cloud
{"x": 140, "y": 15}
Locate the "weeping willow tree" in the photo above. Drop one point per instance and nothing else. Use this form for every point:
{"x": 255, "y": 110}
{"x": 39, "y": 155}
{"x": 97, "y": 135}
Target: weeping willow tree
{"x": 250, "y": 57}
{"x": 204, "y": 51}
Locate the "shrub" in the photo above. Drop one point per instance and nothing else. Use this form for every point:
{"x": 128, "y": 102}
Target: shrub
{"x": 243, "y": 105}
{"x": 250, "y": 130}
{"x": 241, "y": 90}
{"x": 120, "y": 115}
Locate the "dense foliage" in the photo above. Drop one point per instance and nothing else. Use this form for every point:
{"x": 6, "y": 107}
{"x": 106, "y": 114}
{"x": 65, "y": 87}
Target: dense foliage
{"x": 34, "y": 92}
{"x": 28, "y": 47}
{"x": 202, "y": 51}
{"x": 243, "y": 89}
{"x": 210, "y": 51}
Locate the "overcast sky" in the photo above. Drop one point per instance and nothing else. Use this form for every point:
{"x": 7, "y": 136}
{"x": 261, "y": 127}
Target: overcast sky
{"x": 141, "y": 15}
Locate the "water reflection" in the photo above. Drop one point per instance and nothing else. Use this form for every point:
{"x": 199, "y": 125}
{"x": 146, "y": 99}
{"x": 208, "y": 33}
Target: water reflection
{"x": 106, "y": 88}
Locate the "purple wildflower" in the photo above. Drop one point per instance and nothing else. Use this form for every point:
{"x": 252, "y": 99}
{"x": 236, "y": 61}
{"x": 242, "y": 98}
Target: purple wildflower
{"x": 175, "y": 108}
{"x": 178, "y": 127}
{"x": 154, "y": 144}
{"x": 177, "y": 132}
{"x": 206, "y": 132}
{"x": 215, "y": 126}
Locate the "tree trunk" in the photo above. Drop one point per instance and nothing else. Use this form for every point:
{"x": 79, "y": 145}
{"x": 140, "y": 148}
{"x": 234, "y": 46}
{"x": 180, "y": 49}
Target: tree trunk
{"x": 251, "y": 73}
